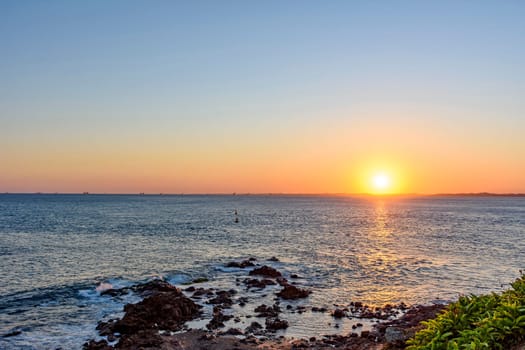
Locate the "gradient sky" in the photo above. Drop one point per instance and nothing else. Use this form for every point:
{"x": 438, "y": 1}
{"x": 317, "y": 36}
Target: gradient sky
{"x": 262, "y": 96}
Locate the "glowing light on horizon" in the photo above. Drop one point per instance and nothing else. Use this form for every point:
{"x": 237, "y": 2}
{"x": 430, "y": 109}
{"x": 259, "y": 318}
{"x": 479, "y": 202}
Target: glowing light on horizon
{"x": 381, "y": 182}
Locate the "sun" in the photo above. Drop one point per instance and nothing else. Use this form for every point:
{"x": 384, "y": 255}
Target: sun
{"x": 381, "y": 182}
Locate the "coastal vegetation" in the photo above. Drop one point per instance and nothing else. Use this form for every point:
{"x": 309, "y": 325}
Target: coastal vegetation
{"x": 492, "y": 321}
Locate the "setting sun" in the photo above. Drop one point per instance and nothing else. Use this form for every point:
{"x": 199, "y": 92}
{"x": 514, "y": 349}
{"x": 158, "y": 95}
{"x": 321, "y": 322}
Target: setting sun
{"x": 381, "y": 182}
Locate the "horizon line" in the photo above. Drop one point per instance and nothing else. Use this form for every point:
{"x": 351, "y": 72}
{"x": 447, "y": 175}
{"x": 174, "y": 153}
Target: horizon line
{"x": 444, "y": 194}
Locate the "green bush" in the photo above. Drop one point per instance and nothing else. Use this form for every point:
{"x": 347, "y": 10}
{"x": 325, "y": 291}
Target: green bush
{"x": 493, "y": 321}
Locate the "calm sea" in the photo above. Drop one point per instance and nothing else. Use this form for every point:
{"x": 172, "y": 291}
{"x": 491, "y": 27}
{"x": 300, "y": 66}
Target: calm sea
{"x": 56, "y": 249}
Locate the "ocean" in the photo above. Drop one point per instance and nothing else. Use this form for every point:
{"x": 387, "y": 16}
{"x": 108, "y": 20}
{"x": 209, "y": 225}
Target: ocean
{"x": 55, "y": 250}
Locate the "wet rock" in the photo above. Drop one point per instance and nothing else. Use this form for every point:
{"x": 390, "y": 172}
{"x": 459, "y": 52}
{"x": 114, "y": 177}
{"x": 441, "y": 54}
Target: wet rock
{"x": 243, "y": 264}
{"x": 273, "y": 324}
{"x": 338, "y": 313}
{"x": 147, "y": 339}
{"x": 12, "y": 334}
{"x": 408, "y": 323}
{"x": 164, "y": 310}
{"x": 254, "y": 327}
{"x": 200, "y": 280}
{"x": 266, "y": 271}
{"x": 273, "y": 258}
{"x": 357, "y": 304}
{"x": 234, "y": 331}
{"x": 106, "y": 328}
{"x": 222, "y": 298}
{"x": 115, "y": 292}
{"x": 202, "y": 291}
{"x": 319, "y": 309}
{"x": 293, "y": 275}
{"x": 242, "y": 301}
{"x": 282, "y": 281}
{"x": 154, "y": 287}
{"x": 218, "y": 319}
{"x": 395, "y": 335}
{"x": 190, "y": 289}
{"x": 257, "y": 283}
{"x": 267, "y": 311}
{"x": 299, "y": 344}
{"x": 96, "y": 345}
{"x": 292, "y": 292}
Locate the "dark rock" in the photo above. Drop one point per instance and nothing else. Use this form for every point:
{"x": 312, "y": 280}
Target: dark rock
{"x": 365, "y": 334}
{"x": 273, "y": 324}
{"x": 293, "y": 275}
{"x": 254, "y": 327}
{"x": 265, "y": 271}
{"x": 241, "y": 265}
{"x": 267, "y": 311}
{"x": 190, "y": 289}
{"x": 234, "y": 331}
{"x": 115, "y": 292}
{"x": 13, "y": 333}
{"x": 300, "y": 344}
{"x": 164, "y": 310}
{"x": 409, "y": 322}
{"x": 106, "y": 328}
{"x": 146, "y": 339}
{"x": 201, "y": 291}
{"x": 154, "y": 287}
{"x": 338, "y": 313}
{"x": 282, "y": 281}
{"x": 292, "y": 292}
{"x": 218, "y": 320}
{"x": 319, "y": 309}
{"x": 395, "y": 335}
{"x": 273, "y": 258}
{"x": 257, "y": 283}
{"x": 200, "y": 280}
{"x": 223, "y": 297}
{"x": 96, "y": 345}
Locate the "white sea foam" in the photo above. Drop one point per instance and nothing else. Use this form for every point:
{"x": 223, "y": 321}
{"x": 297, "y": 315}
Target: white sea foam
{"x": 103, "y": 287}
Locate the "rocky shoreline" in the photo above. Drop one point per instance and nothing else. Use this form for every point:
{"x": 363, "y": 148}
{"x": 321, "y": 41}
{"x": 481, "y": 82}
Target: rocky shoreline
{"x": 161, "y": 320}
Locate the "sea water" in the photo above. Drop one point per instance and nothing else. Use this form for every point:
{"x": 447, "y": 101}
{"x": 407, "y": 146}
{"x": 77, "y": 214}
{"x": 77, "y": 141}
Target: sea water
{"x": 55, "y": 250}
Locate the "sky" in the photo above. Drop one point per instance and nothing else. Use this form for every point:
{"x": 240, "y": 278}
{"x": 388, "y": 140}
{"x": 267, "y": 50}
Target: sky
{"x": 262, "y": 96}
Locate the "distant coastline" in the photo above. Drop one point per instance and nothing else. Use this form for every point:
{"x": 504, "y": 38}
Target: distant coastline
{"x": 389, "y": 195}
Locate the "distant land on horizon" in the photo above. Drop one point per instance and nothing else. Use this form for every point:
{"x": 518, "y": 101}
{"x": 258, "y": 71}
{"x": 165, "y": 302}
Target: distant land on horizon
{"x": 468, "y": 194}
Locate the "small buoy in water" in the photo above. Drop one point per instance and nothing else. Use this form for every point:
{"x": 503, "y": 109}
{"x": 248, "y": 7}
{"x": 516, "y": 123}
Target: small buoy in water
{"x": 236, "y": 212}
{"x": 236, "y": 220}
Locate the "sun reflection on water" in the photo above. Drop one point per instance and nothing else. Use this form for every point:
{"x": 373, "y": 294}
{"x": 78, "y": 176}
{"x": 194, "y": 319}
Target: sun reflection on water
{"x": 382, "y": 260}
